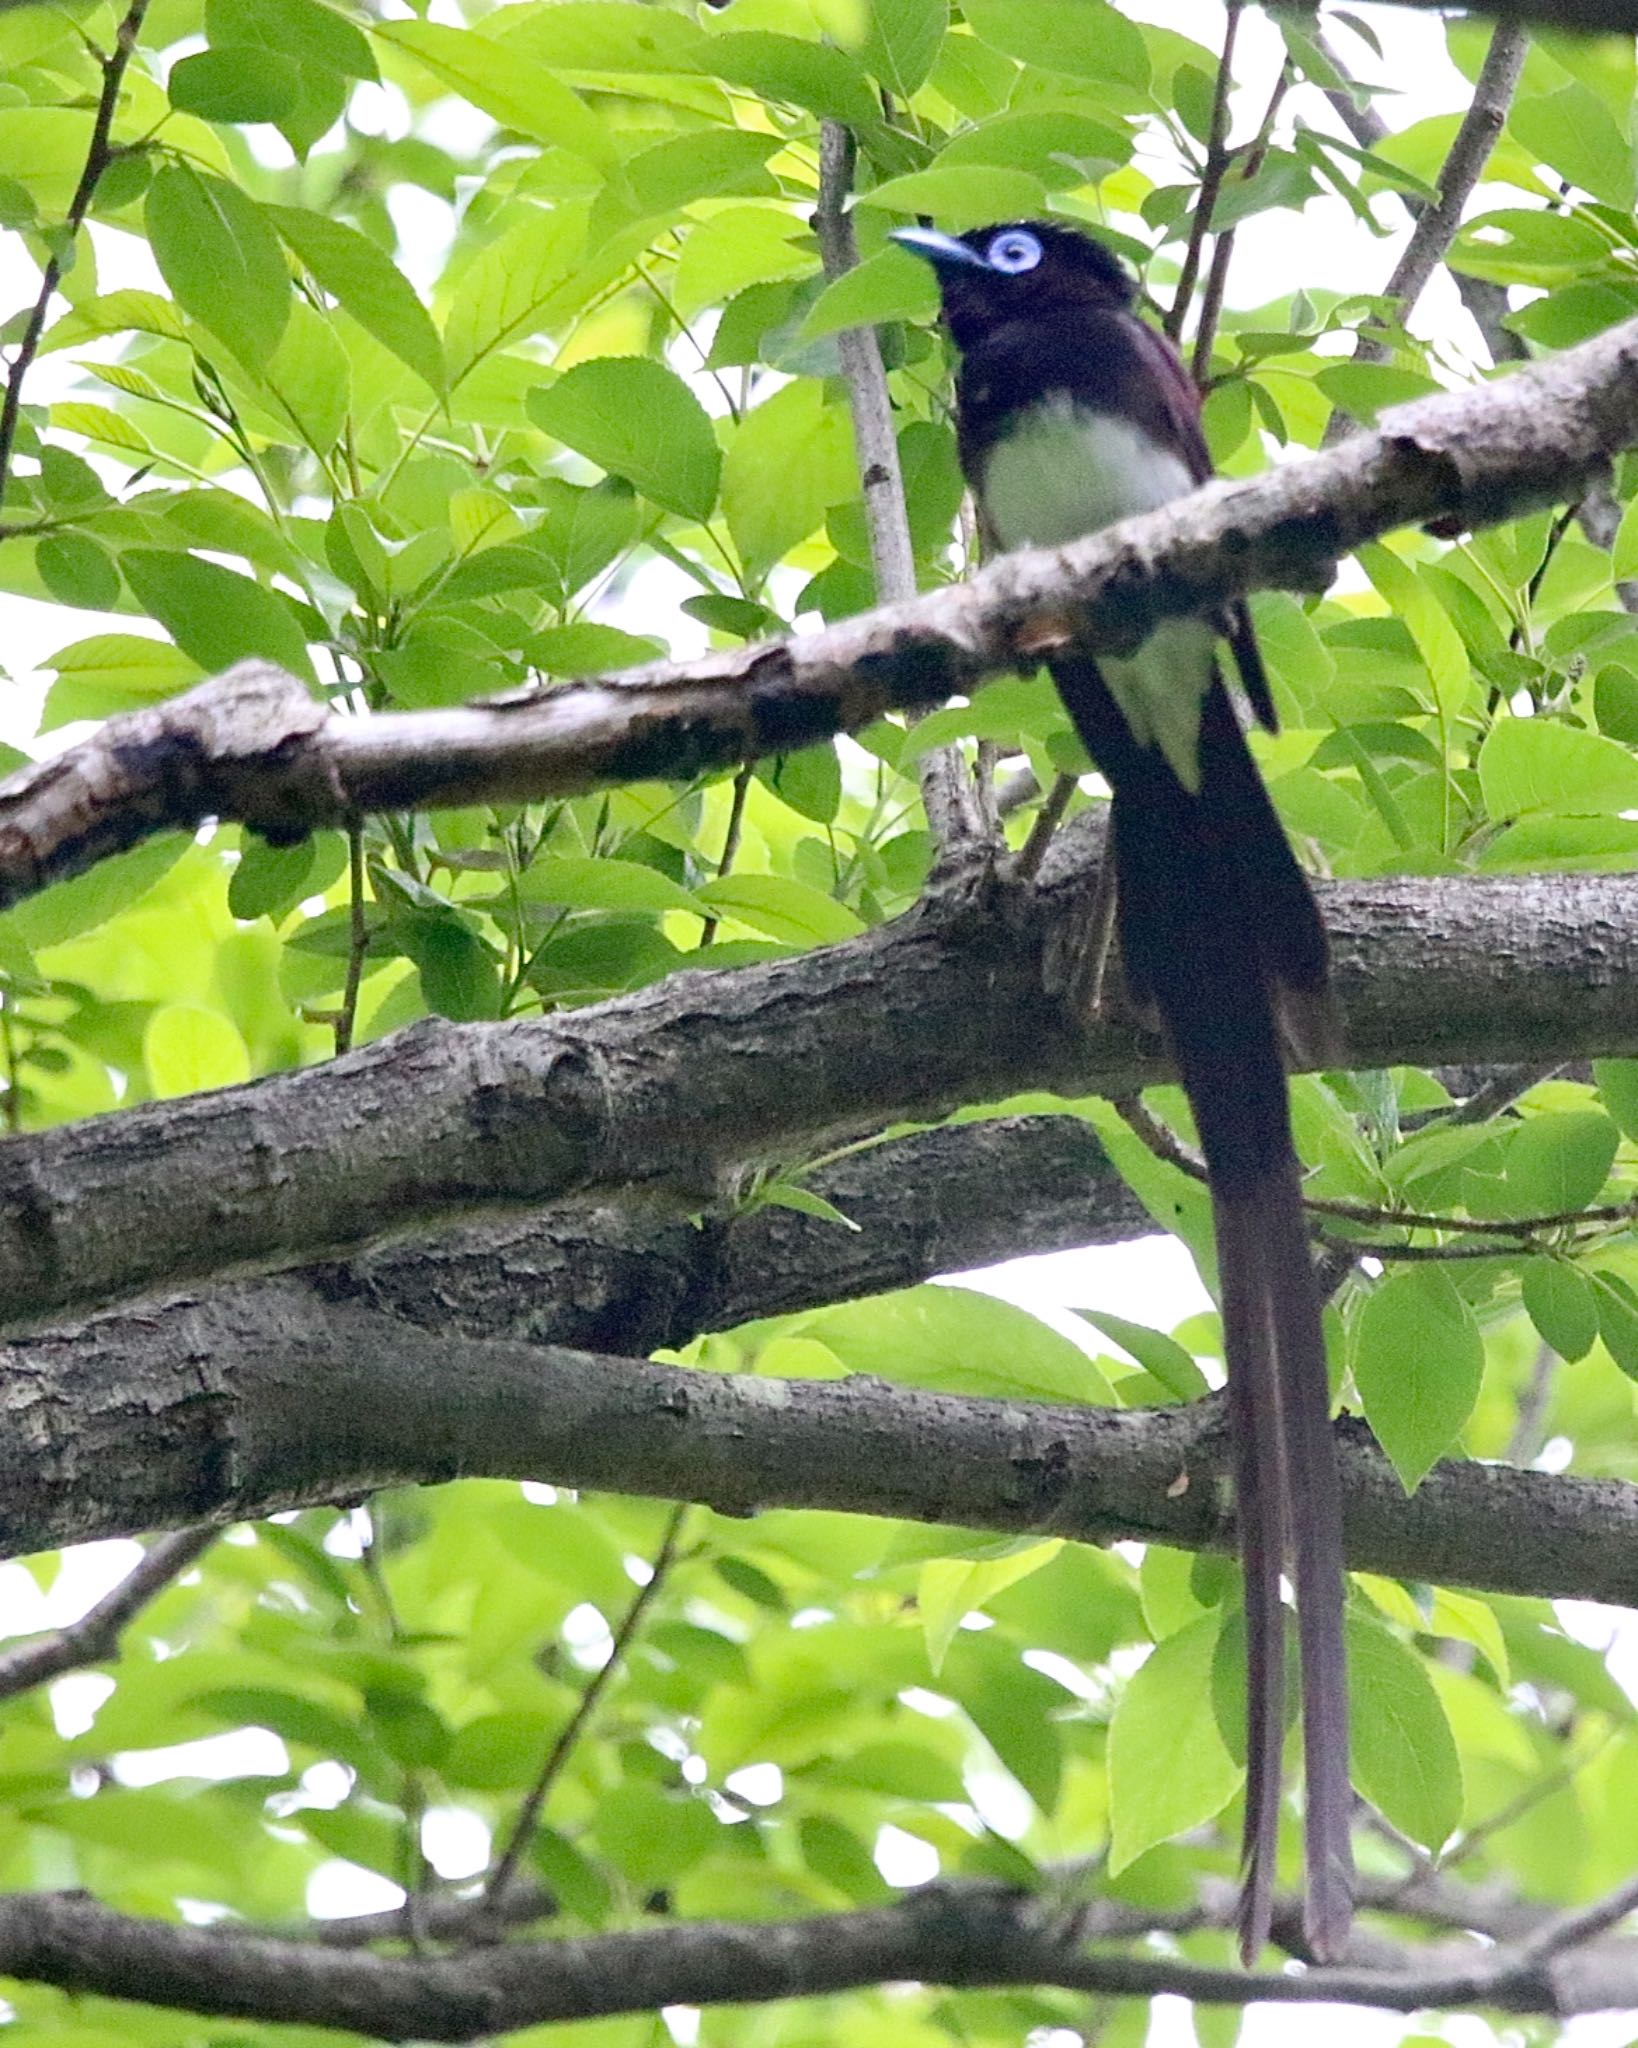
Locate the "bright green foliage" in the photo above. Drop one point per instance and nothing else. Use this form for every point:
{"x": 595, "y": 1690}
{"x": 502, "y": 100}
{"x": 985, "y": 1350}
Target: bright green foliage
{"x": 463, "y": 349}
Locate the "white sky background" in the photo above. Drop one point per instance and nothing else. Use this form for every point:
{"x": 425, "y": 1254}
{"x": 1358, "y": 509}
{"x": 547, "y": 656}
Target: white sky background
{"x": 1151, "y": 1281}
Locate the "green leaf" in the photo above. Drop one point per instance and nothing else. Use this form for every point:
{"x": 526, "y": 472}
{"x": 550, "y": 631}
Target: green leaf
{"x": 1437, "y": 640}
{"x": 652, "y": 1835}
{"x": 1363, "y": 389}
{"x": 902, "y": 41}
{"x": 1086, "y": 38}
{"x": 1168, "y": 1767}
{"x": 1574, "y": 131}
{"x": 1159, "y": 1355}
{"x": 1624, "y": 555}
{"x": 213, "y": 614}
{"x": 78, "y": 571}
{"x": 964, "y": 195}
{"x": 314, "y": 34}
{"x": 742, "y": 245}
{"x": 1055, "y": 143}
{"x": 1522, "y": 245}
{"x": 891, "y": 285}
{"x": 790, "y": 460}
{"x": 187, "y": 1049}
{"x": 362, "y": 279}
{"x": 236, "y": 82}
{"x": 957, "y": 1341}
{"x": 1418, "y": 1360}
{"x": 790, "y": 911}
{"x": 1404, "y": 1756}
{"x": 81, "y": 904}
{"x": 787, "y": 1194}
{"x": 1617, "y": 1319}
{"x": 1562, "y": 1305}
{"x": 1538, "y": 764}
{"x": 310, "y": 379}
{"x": 588, "y": 649}
{"x": 636, "y": 418}
{"x": 1559, "y": 1162}
{"x": 221, "y": 259}
{"x": 1618, "y": 1085}
{"x": 951, "y": 1588}
{"x": 826, "y": 81}
{"x": 578, "y": 882}
{"x": 458, "y": 973}
{"x": 517, "y": 91}
{"x": 269, "y": 880}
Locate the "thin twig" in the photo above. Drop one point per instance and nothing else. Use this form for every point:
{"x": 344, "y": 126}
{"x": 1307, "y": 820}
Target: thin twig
{"x": 1047, "y": 820}
{"x": 506, "y": 1864}
{"x": 1584, "y": 1924}
{"x": 730, "y": 846}
{"x": 95, "y": 1636}
{"x": 1165, "y": 1144}
{"x": 1218, "y": 159}
{"x": 1222, "y": 253}
{"x": 955, "y": 812}
{"x": 358, "y": 943}
{"x": 99, "y": 155}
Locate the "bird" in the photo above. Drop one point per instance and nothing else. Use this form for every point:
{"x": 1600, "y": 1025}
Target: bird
{"x": 1072, "y": 413}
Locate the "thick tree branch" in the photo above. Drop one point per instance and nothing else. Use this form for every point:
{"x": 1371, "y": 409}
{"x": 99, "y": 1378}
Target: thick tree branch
{"x": 257, "y": 1417}
{"x": 673, "y": 1090}
{"x": 252, "y": 746}
{"x": 958, "y": 1933}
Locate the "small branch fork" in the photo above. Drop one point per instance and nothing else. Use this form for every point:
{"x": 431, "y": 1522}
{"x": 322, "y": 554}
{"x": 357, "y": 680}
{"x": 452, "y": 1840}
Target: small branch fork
{"x": 98, "y": 157}
{"x": 1514, "y": 1232}
{"x": 961, "y": 1933}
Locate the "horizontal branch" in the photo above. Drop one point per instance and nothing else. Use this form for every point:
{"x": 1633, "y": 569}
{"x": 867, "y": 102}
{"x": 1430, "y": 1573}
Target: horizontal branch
{"x": 249, "y": 1423}
{"x": 673, "y": 1090}
{"x": 252, "y": 746}
{"x": 959, "y": 1933}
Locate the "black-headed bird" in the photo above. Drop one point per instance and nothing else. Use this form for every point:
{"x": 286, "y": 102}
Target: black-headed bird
{"x": 1072, "y": 414}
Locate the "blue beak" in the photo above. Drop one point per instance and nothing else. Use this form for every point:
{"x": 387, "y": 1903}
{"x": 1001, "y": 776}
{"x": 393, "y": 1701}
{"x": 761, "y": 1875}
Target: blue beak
{"x": 944, "y": 252}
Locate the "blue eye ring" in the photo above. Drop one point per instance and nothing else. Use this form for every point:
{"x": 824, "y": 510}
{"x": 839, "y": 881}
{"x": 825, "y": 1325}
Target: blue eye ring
{"x": 1013, "y": 251}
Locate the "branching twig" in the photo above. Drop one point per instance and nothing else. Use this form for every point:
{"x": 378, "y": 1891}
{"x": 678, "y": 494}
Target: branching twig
{"x": 1218, "y": 159}
{"x": 95, "y": 1636}
{"x": 99, "y": 155}
{"x": 1222, "y": 254}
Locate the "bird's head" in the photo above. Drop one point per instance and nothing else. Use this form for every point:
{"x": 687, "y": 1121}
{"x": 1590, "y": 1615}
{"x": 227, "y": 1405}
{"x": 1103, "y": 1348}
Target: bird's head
{"x": 1027, "y": 269}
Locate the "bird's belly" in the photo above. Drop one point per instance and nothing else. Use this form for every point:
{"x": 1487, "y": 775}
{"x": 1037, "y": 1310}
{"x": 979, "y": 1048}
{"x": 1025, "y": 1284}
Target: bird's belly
{"x": 1061, "y": 470}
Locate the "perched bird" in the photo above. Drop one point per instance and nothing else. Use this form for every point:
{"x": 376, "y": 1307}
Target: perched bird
{"x": 1072, "y": 413}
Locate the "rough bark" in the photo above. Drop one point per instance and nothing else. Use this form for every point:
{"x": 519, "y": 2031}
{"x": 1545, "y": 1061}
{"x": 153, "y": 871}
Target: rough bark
{"x": 269, "y": 1410}
{"x": 671, "y": 1092}
{"x": 964, "y": 1934}
{"x": 252, "y": 746}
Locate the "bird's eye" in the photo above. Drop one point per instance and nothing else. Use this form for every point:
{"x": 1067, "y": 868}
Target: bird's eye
{"x": 1014, "y": 251}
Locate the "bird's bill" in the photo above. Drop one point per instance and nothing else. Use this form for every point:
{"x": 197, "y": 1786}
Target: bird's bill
{"x": 944, "y": 252}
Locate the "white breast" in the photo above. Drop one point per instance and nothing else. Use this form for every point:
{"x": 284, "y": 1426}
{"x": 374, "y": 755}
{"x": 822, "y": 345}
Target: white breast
{"x": 1064, "y": 470}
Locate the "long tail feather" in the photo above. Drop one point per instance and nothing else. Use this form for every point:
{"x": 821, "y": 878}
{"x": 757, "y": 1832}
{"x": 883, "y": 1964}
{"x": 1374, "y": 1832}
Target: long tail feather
{"x": 1220, "y": 933}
